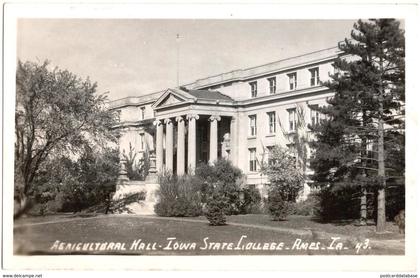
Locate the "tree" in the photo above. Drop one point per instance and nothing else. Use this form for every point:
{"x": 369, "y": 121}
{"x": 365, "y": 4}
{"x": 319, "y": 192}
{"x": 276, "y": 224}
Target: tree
{"x": 283, "y": 174}
{"x": 300, "y": 139}
{"x": 63, "y": 184}
{"x": 222, "y": 179}
{"x": 286, "y": 181}
{"x": 365, "y": 114}
{"x": 57, "y": 113}
{"x": 137, "y": 168}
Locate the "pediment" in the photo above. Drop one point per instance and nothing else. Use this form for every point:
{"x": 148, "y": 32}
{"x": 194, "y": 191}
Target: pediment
{"x": 170, "y": 98}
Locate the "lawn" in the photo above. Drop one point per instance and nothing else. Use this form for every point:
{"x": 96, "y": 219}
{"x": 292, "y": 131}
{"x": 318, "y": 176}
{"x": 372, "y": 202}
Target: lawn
{"x": 193, "y": 236}
{"x": 347, "y": 227}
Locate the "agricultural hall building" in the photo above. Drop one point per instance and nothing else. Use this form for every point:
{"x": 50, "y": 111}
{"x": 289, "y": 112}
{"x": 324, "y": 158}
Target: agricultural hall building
{"x": 237, "y": 115}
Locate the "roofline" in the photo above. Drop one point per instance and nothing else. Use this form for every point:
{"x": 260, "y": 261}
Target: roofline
{"x": 339, "y": 52}
{"x": 197, "y": 86}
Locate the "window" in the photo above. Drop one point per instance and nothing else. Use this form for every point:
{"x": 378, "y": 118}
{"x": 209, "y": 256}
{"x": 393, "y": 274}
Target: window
{"x": 314, "y": 76}
{"x": 292, "y": 81}
{"x": 252, "y": 160}
{"x": 142, "y": 111}
{"x": 292, "y": 119}
{"x": 142, "y": 141}
{"x": 272, "y": 83}
{"x": 270, "y": 159}
{"x": 314, "y": 115}
{"x": 271, "y": 122}
{"x": 253, "y": 88}
{"x": 253, "y": 125}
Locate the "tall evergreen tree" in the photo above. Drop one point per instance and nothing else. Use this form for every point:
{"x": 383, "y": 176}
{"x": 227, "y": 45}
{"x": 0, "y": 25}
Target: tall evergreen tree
{"x": 365, "y": 117}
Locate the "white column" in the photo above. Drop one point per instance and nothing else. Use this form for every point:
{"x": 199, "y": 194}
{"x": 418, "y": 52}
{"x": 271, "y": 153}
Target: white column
{"x": 213, "y": 138}
{"x": 233, "y": 140}
{"x": 159, "y": 145}
{"x": 180, "y": 155}
{"x": 192, "y": 142}
{"x": 169, "y": 145}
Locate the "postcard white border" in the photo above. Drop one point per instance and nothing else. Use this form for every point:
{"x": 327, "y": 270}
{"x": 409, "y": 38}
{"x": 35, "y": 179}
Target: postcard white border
{"x": 408, "y": 12}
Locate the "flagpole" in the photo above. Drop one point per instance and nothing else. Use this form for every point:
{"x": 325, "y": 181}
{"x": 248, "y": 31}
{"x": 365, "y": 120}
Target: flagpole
{"x": 177, "y": 60}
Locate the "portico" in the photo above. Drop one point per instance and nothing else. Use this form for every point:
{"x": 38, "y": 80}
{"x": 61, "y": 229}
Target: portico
{"x": 190, "y": 130}
{"x": 183, "y": 141}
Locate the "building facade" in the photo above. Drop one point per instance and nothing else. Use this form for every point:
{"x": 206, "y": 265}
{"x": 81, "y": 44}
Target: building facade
{"x": 236, "y": 115}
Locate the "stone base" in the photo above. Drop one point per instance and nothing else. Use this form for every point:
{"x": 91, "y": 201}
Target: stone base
{"x": 145, "y": 207}
{"x": 152, "y": 178}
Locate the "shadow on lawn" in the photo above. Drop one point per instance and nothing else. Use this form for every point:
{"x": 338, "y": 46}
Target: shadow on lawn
{"x": 84, "y": 215}
{"x": 341, "y": 222}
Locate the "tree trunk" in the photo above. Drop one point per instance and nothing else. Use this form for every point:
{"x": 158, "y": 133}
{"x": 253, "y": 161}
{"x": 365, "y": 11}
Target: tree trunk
{"x": 363, "y": 207}
{"x": 380, "y": 224}
{"x": 25, "y": 204}
{"x": 381, "y": 220}
{"x": 364, "y": 155}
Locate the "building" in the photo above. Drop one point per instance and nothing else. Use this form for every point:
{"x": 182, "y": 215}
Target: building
{"x": 236, "y": 115}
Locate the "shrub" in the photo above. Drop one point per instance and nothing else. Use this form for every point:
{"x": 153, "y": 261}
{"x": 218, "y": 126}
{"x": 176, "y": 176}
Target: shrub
{"x": 278, "y": 208}
{"x": 309, "y": 207}
{"x": 137, "y": 169}
{"x": 283, "y": 174}
{"x": 395, "y": 199}
{"x": 224, "y": 178}
{"x": 251, "y": 202}
{"x": 338, "y": 204}
{"x": 215, "y": 209}
{"x": 178, "y": 196}
{"x": 286, "y": 180}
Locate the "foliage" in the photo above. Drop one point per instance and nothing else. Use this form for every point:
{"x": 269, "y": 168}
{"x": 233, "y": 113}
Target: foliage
{"x": 299, "y": 140}
{"x": 282, "y": 174}
{"x": 251, "y": 202}
{"x": 223, "y": 178}
{"x": 178, "y": 196}
{"x": 309, "y": 207}
{"x": 365, "y": 114}
{"x": 57, "y": 113}
{"x": 285, "y": 182}
{"x": 216, "y": 187}
{"x": 338, "y": 203}
{"x": 278, "y": 207}
{"x": 137, "y": 169}
{"x": 66, "y": 185}
{"x": 216, "y": 208}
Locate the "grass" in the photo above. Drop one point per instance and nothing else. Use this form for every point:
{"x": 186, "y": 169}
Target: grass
{"x": 36, "y": 235}
{"x": 349, "y": 228}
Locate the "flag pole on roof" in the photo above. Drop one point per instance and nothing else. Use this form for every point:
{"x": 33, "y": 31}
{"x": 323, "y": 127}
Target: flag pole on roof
{"x": 177, "y": 59}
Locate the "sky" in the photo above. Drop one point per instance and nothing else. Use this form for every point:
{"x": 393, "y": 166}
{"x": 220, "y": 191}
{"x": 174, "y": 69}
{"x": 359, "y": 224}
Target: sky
{"x": 132, "y": 57}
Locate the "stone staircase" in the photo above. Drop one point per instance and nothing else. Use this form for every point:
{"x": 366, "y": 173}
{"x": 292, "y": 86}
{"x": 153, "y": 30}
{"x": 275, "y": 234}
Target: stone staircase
{"x": 145, "y": 207}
